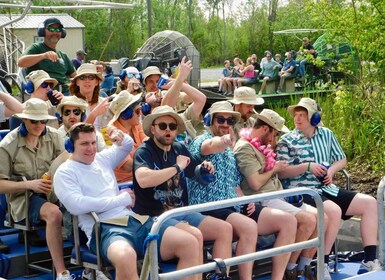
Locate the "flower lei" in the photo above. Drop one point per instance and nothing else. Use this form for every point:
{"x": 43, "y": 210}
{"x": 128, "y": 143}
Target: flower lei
{"x": 264, "y": 149}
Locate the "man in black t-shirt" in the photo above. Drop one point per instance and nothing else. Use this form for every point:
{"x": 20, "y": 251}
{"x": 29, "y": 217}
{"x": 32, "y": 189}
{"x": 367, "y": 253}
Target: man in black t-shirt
{"x": 161, "y": 166}
{"x": 307, "y": 49}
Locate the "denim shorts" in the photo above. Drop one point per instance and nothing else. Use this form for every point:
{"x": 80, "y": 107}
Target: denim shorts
{"x": 36, "y": 201}
{"x": 134, "y": 233}
{"x": 193, "y": 219}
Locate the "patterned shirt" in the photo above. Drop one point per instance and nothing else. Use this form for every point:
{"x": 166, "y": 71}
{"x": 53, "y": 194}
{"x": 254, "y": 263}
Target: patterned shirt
{"x": 296, "y": 148}
{"x": 226, "y": 172}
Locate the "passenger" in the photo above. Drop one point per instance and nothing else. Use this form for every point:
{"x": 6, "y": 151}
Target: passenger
{"x": 29, "y": 151}
{"x": 287, "y": 71}
{"x": 127, "y": 117}
{"x": 244, "y": 101}
{"x": 307, "y": 48}
{"x": 269, "y": 71}
{"x": 226, "y": 72}
{"x": 179, "y": 92}
{"x": 306, "y": 149}
{"x": 129, "y": 80}
{"x": 39, "y": 84}
{"x": 109, "y": 80}
{"x": 254, "y": 61}
{"x": 160, "y": 170}
{"x": 277, "y": 58}
{"x": 72, "y": 110}
{"x": 238, "y": 65}
{"x": 45, "y": 56}
{"x": 153, "y": 95}
{"x": 79, "y": 59}
{"x": 247, "y": 75}
{"x": 256, "y": 161}
{"x": 216, "y": 146}
{"x": 263, "y": 60}
{"x": 85, "y": 85}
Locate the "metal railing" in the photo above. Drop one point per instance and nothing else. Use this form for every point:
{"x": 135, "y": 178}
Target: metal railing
{"x": 381, "y": 220}
{"x": 150, "y": 264}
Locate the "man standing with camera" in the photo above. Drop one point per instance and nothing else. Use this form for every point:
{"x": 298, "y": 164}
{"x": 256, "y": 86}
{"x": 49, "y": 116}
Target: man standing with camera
{"x": 45, "y": 56}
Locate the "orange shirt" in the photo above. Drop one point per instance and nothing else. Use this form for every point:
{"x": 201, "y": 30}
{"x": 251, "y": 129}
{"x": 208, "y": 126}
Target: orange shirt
{"x": 138, "y": 136}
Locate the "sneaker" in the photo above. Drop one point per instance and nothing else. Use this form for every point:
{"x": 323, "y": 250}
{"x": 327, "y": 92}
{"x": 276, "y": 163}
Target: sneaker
{"x": 279, "y": 91}
{"x": 290, "y": 274}
{"x": 99, "y": 275}
{"x": 65, "y": 276}
{"x": 327, "y": 272}
{"x": 307, "y": 274}
{"x": 369, "y": 266}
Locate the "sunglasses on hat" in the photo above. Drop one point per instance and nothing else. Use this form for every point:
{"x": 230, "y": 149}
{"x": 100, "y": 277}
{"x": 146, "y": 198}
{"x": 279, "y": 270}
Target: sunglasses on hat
{"x": 131, "y": 75}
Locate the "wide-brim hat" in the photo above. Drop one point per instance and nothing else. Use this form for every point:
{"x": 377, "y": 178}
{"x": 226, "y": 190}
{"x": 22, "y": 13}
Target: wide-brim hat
{"x": 309, "y": 104}
{"x": 223, "y": 107}
{"x": 161, "y": 111}
{"x": 150, "y": 70}
{"x": 38, "y": 77}
{"x": 72, "y": 101}
{"x": 246, "y": 95}
{"x": 35, "y": 109}
{"x": 273, "y": 119}
{"x": 121, "y": 102}
{"x": 88, "y": 68}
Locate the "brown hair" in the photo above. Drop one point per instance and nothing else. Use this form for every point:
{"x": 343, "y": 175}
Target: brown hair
{"x": 75, "y": 90}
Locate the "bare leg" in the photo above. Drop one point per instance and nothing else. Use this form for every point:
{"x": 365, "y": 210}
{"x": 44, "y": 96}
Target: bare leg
{"x": 285, "y": 226}
{"x": 247, "y": 231}
{"x": 123, "y": 257}
{"x": 51, "y": 214}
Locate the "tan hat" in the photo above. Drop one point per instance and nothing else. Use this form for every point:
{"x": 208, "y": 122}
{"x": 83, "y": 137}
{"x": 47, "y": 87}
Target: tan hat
{"x": 223, "y": 107}
{"x": 246, "y": 95}
{"x": 309, "y": 104}
{"x": 150, "y": 70}
{"x": 273, "y": 119}
{"x": 88, "y": 68}
{"x": 72, "y": 101}
{"x": 159, "y": 112}
{"x": 35, "y": 109}
{"x": 38, "y": 77}
{"x": 121, "y": 102}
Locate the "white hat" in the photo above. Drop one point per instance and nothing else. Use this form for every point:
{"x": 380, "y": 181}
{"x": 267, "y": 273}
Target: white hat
{"x": 72, "y": 101}
{"x": 121, "y": 102}
{"x": 88, "y": 68}
{"x": 246, "y": 95}
{"x": 273, "y": 119}
{"x": 40, "y": 76}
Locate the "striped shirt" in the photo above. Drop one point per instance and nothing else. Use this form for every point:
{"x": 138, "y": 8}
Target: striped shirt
{"x": 296, "y": 148}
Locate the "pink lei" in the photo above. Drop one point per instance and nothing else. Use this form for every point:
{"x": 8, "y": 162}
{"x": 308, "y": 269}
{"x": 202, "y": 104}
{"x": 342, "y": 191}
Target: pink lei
{"x": 264, "y": 149}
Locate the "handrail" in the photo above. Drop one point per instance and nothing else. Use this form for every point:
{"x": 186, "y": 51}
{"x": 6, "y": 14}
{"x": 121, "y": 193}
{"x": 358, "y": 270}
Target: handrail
{"x": 381, "y": 220}
{"x": 150, "y": 264}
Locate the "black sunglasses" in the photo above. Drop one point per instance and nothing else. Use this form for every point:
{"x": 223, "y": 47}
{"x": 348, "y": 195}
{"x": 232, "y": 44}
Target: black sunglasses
{"x": 90, "y": 77}
{"x": 222, "y": 120}
{"x": 54, "y": 29}
{"x": 163, "y": 126}
{"x": 41, "y": 121}
{"x": 76, "y": 112}
{"x": 45, "y": 85}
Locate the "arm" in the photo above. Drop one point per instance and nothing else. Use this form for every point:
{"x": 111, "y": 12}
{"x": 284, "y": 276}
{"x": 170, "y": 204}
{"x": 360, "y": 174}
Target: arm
{"x": 218, "y": 144}
{"x": 38, "y": 186}
{"x": 32, "y": 59}
{"x": 12, "y": 105}
{"x": 99, "y": 110}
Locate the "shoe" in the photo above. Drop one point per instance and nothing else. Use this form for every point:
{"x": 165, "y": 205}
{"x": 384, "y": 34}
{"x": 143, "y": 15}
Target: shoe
{"x": 369, "y": 266}
{"x": 220, "y": 92}
{"x": 327, "y": 272}
{"x": 279, "y": 91}
{"x": 33, "y": 238}
{"x": 65, "y": 276}
{"x": 99, "y": 275}
{"x": 307, "y": 274}
{"x": 290, "y": 274}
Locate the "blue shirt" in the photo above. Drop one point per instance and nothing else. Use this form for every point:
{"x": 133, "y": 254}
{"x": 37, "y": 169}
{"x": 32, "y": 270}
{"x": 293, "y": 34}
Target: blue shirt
{"x": 287, "y": 64}
{"x": 296, "y": 148}
{"x": 226, "y": 172}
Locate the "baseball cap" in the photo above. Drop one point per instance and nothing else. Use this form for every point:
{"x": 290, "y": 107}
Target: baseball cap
{"x": 51, "y": 21}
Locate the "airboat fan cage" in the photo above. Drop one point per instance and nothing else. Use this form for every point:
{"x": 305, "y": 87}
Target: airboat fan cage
{"x": 165, "y": 49}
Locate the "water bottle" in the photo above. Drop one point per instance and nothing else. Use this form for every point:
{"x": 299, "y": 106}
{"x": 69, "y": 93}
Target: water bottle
{"x": 326, "y": 165}
{"x": 53, "y": 99}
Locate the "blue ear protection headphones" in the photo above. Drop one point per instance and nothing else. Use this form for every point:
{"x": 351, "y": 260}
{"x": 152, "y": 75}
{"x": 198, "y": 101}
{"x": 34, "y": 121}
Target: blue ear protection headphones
{"x": 24, "y": 132}
{"x": 207, "y": 119}
{"x": 41, "y": 32}
{"x": 127, "y": 114}
{"x": 316, "y": 117}
{"x": 146, "y": 108}
{"x": 29, "y": 88}
{"x": 123, "y": 74}
{"x": 68, "y": 145}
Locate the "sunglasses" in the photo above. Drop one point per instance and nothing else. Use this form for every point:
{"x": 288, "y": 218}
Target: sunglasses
{"x": 76, "y": 112}
{"x": 41, "y": 121}
{"x": 163, "y": 126}
{"x": 222, "y": 120}
{"x": 45, "y": 85}
{"x": 89, "y": 77}
{"x": 130, "y": 76}
{"x": 54, "y": 29}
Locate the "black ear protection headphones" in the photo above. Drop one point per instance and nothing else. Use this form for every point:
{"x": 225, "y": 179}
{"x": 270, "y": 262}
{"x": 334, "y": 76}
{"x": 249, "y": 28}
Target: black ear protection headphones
{"x": 316, "y": 117}
{"x": 24, "y": 132}
{"x": 41, "y": 32}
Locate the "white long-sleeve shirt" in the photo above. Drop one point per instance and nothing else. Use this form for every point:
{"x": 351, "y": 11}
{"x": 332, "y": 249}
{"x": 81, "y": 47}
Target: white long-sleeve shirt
{"x": 84, "y": 188}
